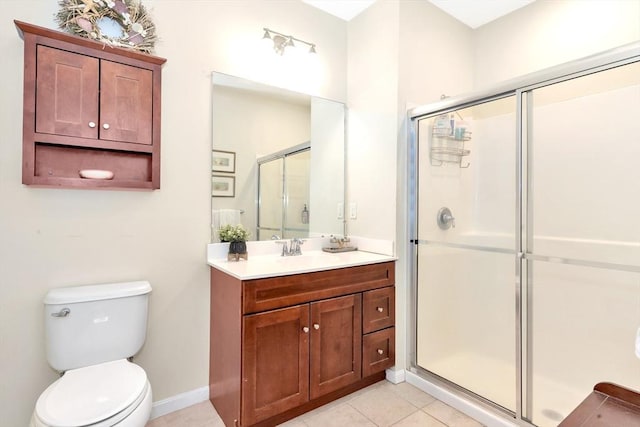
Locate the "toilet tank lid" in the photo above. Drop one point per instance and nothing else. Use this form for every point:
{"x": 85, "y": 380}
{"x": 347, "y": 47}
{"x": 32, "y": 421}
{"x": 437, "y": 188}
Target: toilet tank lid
{"x": 85, "y": 293}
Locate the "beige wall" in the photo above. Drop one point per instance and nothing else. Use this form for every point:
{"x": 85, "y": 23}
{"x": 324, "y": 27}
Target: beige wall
{"x": 550, "y": 32}
{"x": 51, "y": 238}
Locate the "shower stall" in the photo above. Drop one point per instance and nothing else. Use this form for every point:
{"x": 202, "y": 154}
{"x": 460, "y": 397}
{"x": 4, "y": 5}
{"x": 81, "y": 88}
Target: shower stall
{"x": 525, "y": 239}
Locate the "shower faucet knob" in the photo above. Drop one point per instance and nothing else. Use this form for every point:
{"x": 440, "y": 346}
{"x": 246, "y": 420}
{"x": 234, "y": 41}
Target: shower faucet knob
{"x": 445, "y": 219}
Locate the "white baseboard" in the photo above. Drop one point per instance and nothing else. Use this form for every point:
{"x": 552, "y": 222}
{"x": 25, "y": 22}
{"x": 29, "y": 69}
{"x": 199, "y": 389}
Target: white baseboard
{"x": 395, "y": 376}
{"x": 188, "y": 398}
{"x": 179, "y": 401}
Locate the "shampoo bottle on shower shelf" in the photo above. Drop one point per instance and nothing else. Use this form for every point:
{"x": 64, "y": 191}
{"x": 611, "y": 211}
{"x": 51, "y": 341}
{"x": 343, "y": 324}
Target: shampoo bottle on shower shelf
{"x": 441, "y": 126}
{"x": 305, "y": 215}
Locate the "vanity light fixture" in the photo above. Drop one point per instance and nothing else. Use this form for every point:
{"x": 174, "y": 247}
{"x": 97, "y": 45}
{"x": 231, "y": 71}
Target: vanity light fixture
{"x": 282, "y": 41}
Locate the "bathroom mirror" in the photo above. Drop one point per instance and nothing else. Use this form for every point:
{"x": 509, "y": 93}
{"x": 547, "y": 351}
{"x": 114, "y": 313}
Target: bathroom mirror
{"x": 253, "y": 123}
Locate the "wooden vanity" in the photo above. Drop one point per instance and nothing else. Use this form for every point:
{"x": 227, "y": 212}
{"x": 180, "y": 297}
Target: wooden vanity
{"x": 281, "y": 346}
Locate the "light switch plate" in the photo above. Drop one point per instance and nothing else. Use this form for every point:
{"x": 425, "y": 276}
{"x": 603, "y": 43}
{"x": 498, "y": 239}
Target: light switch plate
{"x": 340, "y": 210}
{"x": 353, "y": 210}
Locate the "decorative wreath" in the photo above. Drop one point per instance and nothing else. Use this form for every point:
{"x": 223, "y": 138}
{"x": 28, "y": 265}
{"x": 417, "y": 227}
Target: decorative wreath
{"x": 121, "y": 23}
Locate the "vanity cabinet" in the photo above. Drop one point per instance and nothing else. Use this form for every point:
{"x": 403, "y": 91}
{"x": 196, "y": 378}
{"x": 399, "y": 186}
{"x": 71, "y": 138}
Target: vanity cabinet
{"x": 284, "y": 345}
{"x": 89, "y": 106}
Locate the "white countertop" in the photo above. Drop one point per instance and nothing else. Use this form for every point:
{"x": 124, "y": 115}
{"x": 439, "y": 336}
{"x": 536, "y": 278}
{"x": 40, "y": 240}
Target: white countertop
{"x": 272, "y": 264}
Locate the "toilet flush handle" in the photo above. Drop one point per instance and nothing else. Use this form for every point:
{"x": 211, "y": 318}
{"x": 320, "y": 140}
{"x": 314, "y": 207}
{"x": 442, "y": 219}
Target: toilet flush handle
{"x": 62, "y": 313}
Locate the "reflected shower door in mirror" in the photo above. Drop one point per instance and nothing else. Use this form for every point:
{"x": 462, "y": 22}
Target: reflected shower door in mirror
{"x": 255, "y": 121}
{"x": 283, "y": 194}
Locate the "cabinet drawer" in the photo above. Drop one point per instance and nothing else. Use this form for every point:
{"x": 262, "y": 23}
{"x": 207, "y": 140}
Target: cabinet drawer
{"x": 378, "y": 309}
{"x": 276, "y": 292}
{"x": 378, "y": 351}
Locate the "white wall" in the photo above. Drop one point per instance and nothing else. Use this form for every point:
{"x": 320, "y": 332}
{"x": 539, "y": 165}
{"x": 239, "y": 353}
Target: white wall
{"x": 51, "y": 238}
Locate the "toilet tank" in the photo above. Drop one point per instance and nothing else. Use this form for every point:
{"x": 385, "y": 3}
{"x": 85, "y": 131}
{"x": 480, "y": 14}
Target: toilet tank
{"x": 87, "y": 325}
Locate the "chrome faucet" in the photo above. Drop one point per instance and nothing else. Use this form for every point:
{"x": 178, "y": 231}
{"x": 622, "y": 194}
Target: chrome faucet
{"x": 294, "y": 248}
{"x": 291, "y": 249}
{"x": 285, "y": 250}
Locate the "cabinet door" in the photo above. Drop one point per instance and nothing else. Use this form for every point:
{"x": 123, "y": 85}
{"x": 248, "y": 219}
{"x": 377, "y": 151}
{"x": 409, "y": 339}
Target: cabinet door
{"x": 336, "y": 344}
{"x": 275, "y": 362}
{"x": 66, "y": 93}
{"x": 126, "y": 103}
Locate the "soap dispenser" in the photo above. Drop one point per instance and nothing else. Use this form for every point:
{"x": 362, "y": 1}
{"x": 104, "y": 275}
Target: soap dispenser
{"x": 305, "y": 215}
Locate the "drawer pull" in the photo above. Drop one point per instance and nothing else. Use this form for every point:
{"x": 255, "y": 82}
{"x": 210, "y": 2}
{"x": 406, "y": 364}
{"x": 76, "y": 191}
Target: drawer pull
{"x": 316, "y": 326}
{"x": 380, "y": 309}
{"x": 305, "y": 329}
{"x": 380, "y": 351}
{"x": 92, "y": 124}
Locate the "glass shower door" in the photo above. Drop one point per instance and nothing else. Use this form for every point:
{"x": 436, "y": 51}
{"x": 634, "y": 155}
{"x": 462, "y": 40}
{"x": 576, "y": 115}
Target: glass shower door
{"x": 283, "y": 195}
{"x": 466, "y": 249}
{"x": 583, "y": 250}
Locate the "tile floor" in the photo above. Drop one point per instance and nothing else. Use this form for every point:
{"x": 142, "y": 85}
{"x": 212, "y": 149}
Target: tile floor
{"x": 382, "y": 404}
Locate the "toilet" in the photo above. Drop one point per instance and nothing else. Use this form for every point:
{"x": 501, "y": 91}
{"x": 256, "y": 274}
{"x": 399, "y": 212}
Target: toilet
{"x": 91, "y": 332}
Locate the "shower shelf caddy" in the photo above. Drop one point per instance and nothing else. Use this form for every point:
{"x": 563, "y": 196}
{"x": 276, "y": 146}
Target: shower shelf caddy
{"x": 448, "y": 145}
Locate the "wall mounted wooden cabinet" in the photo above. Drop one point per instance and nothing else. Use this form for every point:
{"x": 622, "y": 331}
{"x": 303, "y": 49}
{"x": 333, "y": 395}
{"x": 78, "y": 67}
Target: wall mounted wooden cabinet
{"x": 89, "y": 106}
{"x": 282, "y": 346}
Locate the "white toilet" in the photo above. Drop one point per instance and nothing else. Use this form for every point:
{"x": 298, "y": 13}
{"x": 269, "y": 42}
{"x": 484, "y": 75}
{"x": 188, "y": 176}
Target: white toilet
{"x": 90, "y": 332}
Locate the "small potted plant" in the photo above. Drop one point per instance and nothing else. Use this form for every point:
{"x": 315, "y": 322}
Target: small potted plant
{"x": 237, "y": 236}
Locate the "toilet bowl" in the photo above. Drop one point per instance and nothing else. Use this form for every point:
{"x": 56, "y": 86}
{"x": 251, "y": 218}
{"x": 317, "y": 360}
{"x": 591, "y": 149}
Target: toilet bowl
{"x": 105, "y": 395}
{"x": 91, "y": 332}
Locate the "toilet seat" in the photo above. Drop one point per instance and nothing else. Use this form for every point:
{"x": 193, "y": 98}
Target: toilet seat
{"x": 97, "y": 395}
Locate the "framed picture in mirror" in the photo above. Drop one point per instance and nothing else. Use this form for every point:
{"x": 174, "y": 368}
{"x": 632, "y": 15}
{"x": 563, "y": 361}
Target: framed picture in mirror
{"x": 223, "y": 186}
{"x": 223, "y": 161}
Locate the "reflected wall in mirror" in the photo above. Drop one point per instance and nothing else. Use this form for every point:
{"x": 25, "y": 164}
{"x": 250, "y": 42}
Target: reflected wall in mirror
{"x": 260, "y": 122}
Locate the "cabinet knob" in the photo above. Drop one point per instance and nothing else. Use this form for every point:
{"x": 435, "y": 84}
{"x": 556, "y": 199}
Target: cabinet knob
{"x": 380, "y": 351}
{"x": 380, "y": 309}
{"x": 92, "y": 124}
{"x": 306, "y": 329}
{"x": 106, "y": 126}
{"x": 316, "y": 326}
